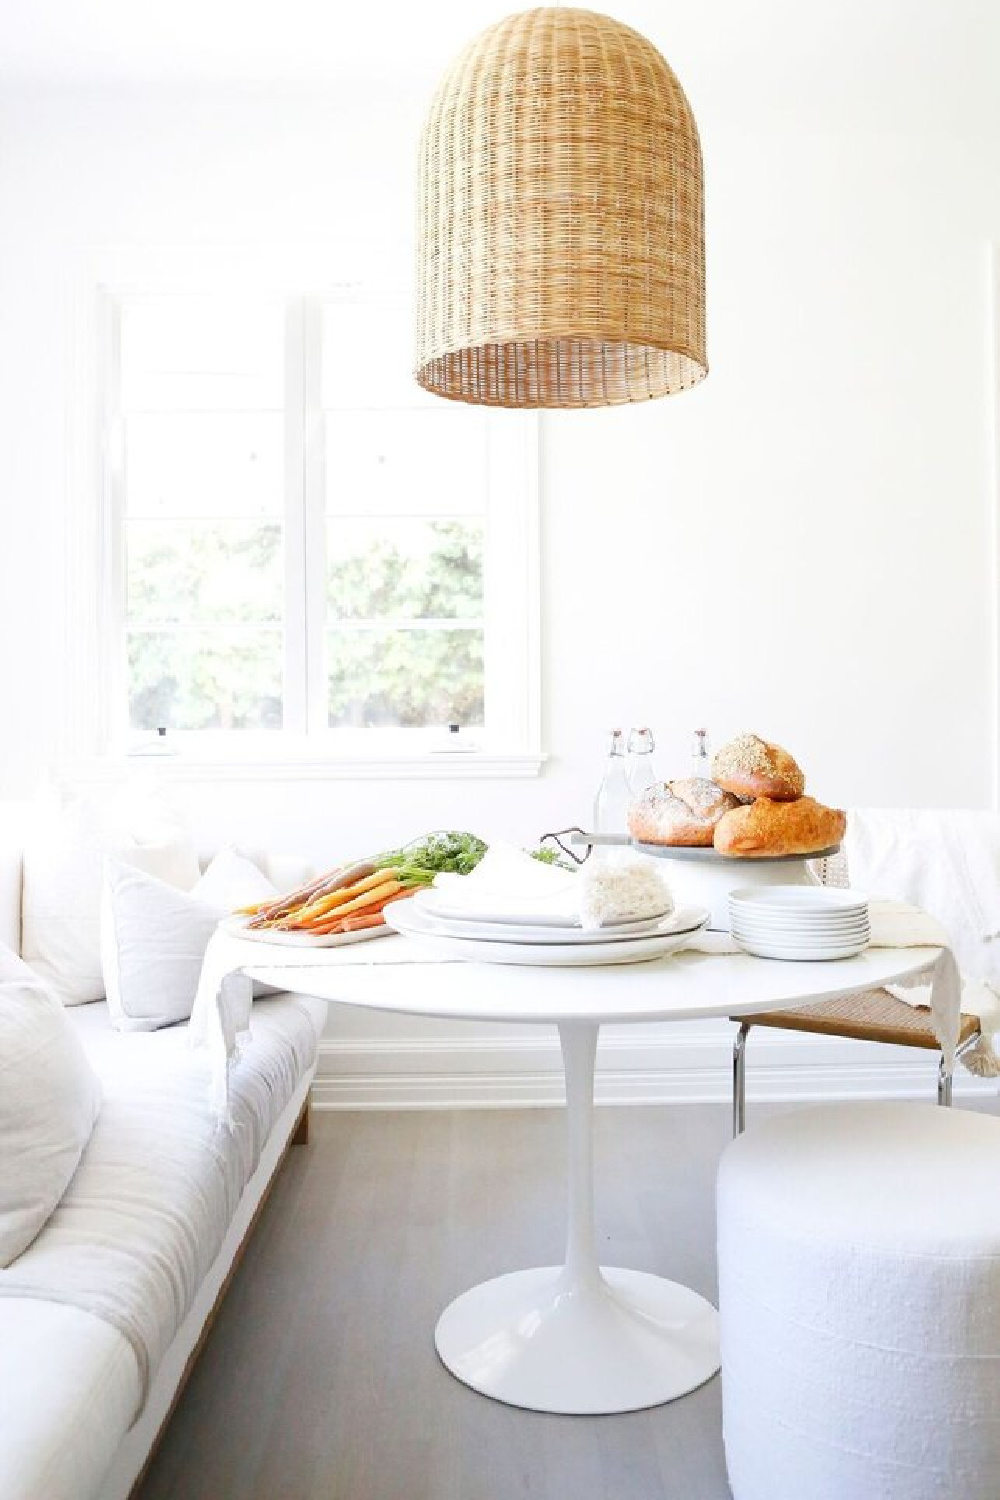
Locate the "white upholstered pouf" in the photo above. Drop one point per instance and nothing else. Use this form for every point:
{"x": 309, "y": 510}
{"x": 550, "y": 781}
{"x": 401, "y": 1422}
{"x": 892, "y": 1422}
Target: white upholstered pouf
{"x": 859, "y": 1296}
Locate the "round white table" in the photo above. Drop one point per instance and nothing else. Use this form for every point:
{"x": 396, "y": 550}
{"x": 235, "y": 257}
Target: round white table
{"x": 580, "y": 1337}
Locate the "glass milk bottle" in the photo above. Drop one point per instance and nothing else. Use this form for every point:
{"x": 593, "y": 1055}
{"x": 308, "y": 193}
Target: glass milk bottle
{"x": 701, "y": 760}
{"x": 640, "y": 773}
{"x": 611, "y": 802}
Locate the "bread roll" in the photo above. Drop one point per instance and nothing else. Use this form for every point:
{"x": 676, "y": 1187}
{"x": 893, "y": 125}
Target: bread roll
{"x": 682, "y": 813}
{"x": 750, "y": 767}
{"x": 769, "y": 827}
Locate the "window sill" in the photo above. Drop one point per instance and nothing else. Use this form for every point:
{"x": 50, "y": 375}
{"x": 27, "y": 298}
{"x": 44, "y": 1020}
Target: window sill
{"x": 429, "y": 766}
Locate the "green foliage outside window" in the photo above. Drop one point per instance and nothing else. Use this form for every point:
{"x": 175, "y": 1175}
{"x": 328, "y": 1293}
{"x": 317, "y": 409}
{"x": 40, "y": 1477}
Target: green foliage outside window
{"x": 219, "y": 586}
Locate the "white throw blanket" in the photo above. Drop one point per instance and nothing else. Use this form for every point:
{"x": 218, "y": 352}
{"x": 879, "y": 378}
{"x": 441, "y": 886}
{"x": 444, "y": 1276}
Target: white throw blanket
{"x": 947, "y": 863}
{"x": 156, "y": 1192}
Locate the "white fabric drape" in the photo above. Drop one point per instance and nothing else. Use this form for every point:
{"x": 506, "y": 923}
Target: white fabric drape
{"x": 946, "y": 862}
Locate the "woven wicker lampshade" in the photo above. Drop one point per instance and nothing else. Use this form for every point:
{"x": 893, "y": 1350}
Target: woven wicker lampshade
{"x": 561, "y": 253}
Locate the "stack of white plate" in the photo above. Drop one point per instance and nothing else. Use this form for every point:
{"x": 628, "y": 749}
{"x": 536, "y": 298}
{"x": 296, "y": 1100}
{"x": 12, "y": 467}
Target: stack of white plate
{"x": 526, "y": 938}
{"x": 799, "y": 922}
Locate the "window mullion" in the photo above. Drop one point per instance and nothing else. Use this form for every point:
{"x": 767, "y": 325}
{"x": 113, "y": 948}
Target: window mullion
{"x": 314, "y": 506}
{"x": 112, "y": 602}
{"x": 296, "y": 642}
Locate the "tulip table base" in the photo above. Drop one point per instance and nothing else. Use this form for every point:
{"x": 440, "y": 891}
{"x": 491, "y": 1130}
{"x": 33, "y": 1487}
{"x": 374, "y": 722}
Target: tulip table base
{"x": 574, "y": 1338}
{"x": 580, "y": 1338}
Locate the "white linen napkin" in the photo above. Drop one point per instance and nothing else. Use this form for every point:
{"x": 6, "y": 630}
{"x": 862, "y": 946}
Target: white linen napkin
{"x": 507, "y": 884}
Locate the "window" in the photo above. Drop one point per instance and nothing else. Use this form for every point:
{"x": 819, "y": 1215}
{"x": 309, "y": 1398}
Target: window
{"x": 303, "y": 549}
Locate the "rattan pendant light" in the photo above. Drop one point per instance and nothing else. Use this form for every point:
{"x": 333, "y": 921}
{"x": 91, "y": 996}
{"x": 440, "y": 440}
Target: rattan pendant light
{"x": 561, "y": 255}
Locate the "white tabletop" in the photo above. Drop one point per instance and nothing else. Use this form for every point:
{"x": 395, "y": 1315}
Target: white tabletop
{"x": 399, "y": 974}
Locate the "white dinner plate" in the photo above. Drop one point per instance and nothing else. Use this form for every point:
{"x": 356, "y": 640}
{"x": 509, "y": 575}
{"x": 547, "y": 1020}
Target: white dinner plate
{"x": 800, "y": 924}
{"x": 761, "y": 913}
{"x": 816, "y": 900}
{"x": 407, "y": 918}
{"x": 788, "y": 930}
{"x": 237, "y": 927}
{"x": 797, "y": 939}
{"x": 747, "y": 940}
{"x": 431, "y": 902}
{"x": 763, "y": 949}
{"x": 800, "y": 929}
{"x": 793, "y": 945}
{"x": 687, "y": 919}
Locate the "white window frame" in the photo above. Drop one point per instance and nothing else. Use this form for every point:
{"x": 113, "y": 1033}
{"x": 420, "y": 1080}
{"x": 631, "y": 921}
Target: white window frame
{"x": 510, "y": 745}
{"x": 993, "y": 420}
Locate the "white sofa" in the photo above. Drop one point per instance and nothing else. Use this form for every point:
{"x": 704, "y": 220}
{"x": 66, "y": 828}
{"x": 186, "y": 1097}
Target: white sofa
{"x": 160, "y": 1205}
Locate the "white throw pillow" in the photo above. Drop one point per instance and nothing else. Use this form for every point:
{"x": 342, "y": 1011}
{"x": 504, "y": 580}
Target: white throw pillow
{"x": 64, "y": 852}
{"x": 153, "y": 937}
{"x": 49, "y": 1100}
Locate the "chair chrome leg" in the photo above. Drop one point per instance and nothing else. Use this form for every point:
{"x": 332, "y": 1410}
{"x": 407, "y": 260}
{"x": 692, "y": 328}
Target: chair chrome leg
{"x": 945, "y": 1078}
{"x": 740, "y": 1080}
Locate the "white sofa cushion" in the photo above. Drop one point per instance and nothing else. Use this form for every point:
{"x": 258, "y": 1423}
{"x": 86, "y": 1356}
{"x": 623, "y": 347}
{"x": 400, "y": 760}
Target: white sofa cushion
{"x": 69, "y": 1387}
{"x": 64, "y": 850}
{"x": 49, "y": 1100}
{"x": 159, "y": 1185}
{"x": 153, "y": 937}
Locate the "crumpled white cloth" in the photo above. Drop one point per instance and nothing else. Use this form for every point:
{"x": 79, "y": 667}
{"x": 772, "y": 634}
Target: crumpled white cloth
{"x": 895, "y": 924}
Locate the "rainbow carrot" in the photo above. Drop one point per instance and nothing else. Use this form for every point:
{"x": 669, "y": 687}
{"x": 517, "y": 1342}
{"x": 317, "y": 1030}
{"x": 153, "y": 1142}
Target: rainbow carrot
{"x": 372, "y": 900}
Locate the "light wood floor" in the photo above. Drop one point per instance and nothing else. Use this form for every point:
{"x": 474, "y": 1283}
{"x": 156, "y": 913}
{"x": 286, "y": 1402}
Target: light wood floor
{"x": 320, "y": 1381}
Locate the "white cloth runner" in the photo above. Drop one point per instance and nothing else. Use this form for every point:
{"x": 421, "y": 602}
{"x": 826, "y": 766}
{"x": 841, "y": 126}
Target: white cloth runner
{"x": 220, "y": 1015}
{"x": 894, "y": 924}
{"x": 947, "y": 863}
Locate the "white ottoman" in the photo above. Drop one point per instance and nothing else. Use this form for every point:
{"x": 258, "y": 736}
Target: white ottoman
{"x": 859, "y": 1297}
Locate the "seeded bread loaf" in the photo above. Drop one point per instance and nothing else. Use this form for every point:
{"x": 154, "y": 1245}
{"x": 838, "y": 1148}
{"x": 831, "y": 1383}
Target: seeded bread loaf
{"x": 751, "y": 767}
{"x": 682, "y": 813}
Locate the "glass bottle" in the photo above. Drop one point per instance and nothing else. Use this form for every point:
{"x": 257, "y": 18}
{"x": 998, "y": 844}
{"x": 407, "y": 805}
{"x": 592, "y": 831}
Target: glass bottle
{"x": 701, "y": 760}
{"x": 640, "y": 773}
{"x": 611, "y": 802}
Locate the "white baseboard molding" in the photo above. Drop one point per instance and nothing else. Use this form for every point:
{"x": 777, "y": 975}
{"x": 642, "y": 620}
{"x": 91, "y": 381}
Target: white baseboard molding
{"x": 489, "y": 1073}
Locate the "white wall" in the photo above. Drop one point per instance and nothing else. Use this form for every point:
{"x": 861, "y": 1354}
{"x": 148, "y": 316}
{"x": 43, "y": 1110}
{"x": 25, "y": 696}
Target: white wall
{"x": 803, "y": 545}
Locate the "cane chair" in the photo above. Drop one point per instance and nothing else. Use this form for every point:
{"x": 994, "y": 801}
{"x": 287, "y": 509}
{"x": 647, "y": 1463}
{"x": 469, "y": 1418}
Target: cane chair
{"x": 872, "y": 1016}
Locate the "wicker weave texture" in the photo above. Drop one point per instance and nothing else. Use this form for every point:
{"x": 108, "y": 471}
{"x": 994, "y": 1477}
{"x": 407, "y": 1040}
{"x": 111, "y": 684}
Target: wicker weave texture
{"x": 872, "y": 1016}
{"x": 560, "y": 243}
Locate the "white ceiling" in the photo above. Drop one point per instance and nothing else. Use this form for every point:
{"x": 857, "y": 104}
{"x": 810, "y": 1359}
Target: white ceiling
{"x": 903, "y": 61}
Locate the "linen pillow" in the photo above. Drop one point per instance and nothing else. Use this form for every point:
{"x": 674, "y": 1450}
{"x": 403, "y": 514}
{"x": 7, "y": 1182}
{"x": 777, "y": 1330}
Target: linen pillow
{"x": 153, "y": 937}
{"x": 49, "y": 1099}
{"x": 64, "y": 851}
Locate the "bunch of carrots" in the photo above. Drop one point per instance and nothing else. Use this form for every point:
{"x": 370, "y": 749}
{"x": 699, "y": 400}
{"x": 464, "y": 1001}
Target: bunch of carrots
{"x": 355, "y": 896}
{"x": 343, "y": 900}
